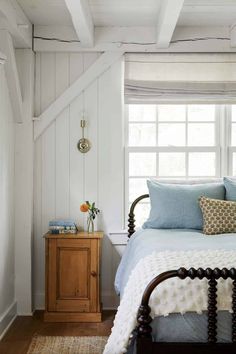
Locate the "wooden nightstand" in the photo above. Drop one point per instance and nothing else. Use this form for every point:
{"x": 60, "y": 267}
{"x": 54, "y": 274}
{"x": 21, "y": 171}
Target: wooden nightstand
{"x": 73, "y": 277}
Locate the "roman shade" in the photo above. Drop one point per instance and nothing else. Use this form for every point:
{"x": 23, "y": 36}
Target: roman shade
{"x": 160, "y": 78}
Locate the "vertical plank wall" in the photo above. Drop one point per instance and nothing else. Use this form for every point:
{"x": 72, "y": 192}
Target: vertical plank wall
{"x": 8, "y": 306}
{"x": 63, "y": 177}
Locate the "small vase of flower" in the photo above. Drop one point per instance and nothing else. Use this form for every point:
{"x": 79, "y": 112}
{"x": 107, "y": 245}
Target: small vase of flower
{"x": 92, "y": 211}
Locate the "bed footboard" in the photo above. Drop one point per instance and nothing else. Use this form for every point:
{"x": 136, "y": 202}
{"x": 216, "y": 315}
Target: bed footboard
{"x": 145, "y": 343}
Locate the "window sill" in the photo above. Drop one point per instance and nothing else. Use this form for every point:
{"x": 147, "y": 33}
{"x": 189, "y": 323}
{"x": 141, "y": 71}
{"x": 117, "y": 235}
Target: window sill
{"x": 118, "y": 238}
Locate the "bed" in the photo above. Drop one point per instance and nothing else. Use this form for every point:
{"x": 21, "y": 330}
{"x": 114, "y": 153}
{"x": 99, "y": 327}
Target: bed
{"x": 208, "y": 331}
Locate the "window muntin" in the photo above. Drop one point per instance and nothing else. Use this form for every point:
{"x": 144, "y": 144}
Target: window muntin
{"x": 232, "y": 134}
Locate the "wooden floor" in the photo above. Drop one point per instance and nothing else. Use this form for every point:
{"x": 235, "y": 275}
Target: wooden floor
{"x": 18, "y": 337}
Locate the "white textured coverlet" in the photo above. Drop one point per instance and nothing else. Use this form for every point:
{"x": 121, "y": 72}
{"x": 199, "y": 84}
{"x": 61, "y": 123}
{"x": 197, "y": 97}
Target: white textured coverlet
{"x": 171, "y": 296}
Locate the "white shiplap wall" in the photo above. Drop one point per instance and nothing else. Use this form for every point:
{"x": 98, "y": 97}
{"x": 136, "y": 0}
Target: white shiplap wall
{"x": 63, "y": 177}
{"x": 7, "y": 248}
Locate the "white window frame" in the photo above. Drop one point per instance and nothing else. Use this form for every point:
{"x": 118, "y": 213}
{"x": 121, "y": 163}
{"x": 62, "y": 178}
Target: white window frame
{"x": 223, "y": 149}
{"x": 231, "y": 149}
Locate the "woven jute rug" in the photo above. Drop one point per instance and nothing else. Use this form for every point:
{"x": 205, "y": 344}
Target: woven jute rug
{"x": 67, "y": 345}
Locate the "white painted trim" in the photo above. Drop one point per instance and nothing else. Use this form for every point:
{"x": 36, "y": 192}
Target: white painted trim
{"x": 110, "y": 300}
{"x": 180, "y": 58}
{"x": 135, "y": 39}
{"x": 15, "y": 21}
{"x": 7, "y": 319}
{"x": 82, "y": 21}
{"x": 39, "y": 301}
{"x": 6, "y": 45}
{"x": 93, "y": 72}
{"x": 25, "y": 313}
{"x": 118, "y": 238}
{"x": 167, "y": 20}
{"x": 24, "y": 148}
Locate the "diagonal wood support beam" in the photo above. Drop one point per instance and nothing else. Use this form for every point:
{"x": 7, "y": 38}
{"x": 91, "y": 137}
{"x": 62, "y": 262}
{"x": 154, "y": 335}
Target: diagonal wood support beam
{"x": 82, "y": 21}
{"x": 6, "y": 46}
{"x": 13, "y": 19}
{"x": 167, "y": 20}
{"x": 94, "y": 71}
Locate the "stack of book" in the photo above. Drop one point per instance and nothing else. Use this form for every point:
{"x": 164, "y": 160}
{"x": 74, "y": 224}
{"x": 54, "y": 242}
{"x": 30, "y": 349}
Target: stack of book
{"x": 63, "y": 226}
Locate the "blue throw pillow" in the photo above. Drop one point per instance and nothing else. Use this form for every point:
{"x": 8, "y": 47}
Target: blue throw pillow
{"x": 230, "y": 186}
{"x": 175, "y": 206}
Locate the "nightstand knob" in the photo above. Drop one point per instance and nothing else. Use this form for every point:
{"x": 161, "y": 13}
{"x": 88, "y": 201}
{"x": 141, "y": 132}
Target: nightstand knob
{"x": 93, "y": 273}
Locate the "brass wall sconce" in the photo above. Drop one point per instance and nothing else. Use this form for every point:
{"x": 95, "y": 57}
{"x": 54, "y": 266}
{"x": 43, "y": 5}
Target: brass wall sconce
{"x": 84, "y": 144}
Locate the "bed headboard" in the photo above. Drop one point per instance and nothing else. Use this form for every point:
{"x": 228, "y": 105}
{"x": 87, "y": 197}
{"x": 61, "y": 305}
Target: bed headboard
{"x": 131, "y": 219}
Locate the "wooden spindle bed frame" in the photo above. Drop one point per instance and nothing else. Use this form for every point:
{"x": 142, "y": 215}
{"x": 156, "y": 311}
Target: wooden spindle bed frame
{"x": 144, "y": 342}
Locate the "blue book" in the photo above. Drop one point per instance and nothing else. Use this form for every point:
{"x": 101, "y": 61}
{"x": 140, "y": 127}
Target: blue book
{"x": 62, "y": 222}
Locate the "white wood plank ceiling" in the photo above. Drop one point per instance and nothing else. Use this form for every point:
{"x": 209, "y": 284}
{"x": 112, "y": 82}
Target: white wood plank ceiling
{"x": 132, "y": 12}
{"x": 134, "y": 25}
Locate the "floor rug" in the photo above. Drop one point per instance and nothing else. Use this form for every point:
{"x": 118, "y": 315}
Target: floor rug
{"x": 67, "y": 345}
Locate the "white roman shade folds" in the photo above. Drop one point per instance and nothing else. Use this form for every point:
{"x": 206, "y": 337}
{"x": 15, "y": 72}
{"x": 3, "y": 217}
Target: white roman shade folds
{"x": 160, "y": 78}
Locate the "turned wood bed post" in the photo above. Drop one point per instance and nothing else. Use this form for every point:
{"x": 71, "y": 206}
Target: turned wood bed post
{"x": 131, "y": 219}
{"x": 234, "y": 312}
{"x": 144, "y": 330}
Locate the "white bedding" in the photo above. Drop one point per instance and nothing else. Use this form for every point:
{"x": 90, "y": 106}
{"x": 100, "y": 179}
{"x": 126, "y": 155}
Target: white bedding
{"x": 173, "y": 295}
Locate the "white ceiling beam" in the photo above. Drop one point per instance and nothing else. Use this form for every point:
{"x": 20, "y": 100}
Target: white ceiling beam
{"x": 134, "y": 39}
{"x": 6, "y": 46}
{"x": 13, "y": 19}
{"x": 94, "y": 71}
{"x": 167, "y": 20}
{"x": 82, "y": 21}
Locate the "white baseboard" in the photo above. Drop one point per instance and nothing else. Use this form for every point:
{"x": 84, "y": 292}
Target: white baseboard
{"x": 25, "y": 313}
{"x": 7, "y": 318}
{"x": 39, "y": 301}
{"x": 109, "y": 301}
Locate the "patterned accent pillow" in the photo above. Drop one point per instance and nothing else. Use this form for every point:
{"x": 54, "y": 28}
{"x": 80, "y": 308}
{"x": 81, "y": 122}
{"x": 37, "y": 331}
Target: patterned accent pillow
{"x": 219, "y": 216}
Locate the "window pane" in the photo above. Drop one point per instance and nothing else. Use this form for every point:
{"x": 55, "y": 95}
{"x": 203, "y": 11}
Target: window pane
{"x": 202, "y": 164}
{"x": 233, "y": 113}
{"x": 233, "y": 134}
{"x": 200, "y": 113}
{"x": 137, "y": 186}
{"x": 171, "y": 164}
{"x": 171, "y": 113}
{"x": 141, "y": 213}
{"x": 142, "y": 164}
{"x": 201, "y": 134}
{"x": 141, "y": 134}
{"x": 171, "y": 134}
{"x": 142, "y": 112}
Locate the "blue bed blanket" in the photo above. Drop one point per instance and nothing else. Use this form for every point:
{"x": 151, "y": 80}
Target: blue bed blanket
{"x": 190, "y": 327}
{"x": 144, "y": 242}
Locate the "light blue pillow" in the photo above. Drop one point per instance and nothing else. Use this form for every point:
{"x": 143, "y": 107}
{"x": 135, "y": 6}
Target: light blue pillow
{"x": 175, "y": 206}
{"x": 230, "y": 186}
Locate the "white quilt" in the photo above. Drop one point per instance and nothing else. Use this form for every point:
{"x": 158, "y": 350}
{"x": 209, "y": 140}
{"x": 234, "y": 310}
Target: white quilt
{"x": 171, "y": 296}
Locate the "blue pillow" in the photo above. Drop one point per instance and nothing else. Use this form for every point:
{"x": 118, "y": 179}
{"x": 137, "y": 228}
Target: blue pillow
{"x": 175, "y": 206}
{"x": 230, "y": 186}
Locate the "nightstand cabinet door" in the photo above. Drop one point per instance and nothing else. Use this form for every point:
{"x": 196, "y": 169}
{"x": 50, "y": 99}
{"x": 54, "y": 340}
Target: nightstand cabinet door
{"x": 73, "y": 275}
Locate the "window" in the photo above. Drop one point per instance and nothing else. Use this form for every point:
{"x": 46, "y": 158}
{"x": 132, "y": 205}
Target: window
{"x": 177, "y": 142}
